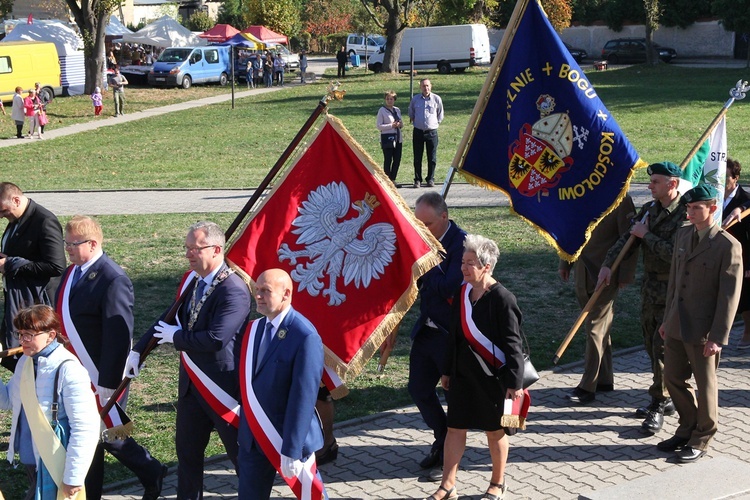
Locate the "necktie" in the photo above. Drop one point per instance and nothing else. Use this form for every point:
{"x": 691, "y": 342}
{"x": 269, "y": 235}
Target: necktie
{"x": 265, "y": 341}
{"x": 696, "y": 240}
{"x": 199, "y": 289}
{"x": 76, "y": 275}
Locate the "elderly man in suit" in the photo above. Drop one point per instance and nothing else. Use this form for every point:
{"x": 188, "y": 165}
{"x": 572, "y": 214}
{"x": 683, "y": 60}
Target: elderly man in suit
{"x": 207, "y": 324}
{"x": 281, "y": 368}
{"x": 31, "y": 259}
{"x": 702, "y": 297}
{"x": 95, "y": 302}
{"x": 598, "y": 375}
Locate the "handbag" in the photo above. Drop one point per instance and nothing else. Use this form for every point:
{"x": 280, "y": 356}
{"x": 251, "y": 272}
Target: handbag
{"x": 43, "y": 120}
{"x": 530, "y": 375}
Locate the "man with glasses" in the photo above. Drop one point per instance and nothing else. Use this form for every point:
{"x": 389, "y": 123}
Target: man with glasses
{"x": 31, "y": 259}
{"x": 216, "y": 304}
{"x": 95, "y": 302}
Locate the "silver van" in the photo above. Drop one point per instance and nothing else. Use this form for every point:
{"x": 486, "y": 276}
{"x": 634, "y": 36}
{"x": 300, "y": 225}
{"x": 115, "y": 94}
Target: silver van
{"x": 356, "y": 43}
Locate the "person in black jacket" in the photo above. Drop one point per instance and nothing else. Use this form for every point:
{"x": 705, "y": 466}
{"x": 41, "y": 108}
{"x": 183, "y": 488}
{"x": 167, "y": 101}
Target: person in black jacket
{"x": 736, "y": 199}
{"x": 32, "y": 259}
{"x": 341, "y": 58}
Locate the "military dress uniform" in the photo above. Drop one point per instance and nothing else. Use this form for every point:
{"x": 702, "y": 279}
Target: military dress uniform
{"x": 657, "y": 245}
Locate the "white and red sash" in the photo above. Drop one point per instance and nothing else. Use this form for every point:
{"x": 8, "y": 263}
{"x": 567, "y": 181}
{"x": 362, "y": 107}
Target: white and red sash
{"x": 307, "y": 485}
{"x": 478, "y": 340}
{"x": 227, "y": 407}
{"x": 116, "y": 416}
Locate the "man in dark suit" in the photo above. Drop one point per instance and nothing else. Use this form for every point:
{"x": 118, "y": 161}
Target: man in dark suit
{"x": 31, "y": 259}
{"x": 282, "y": 364}
{"x": 430, "y": 334}
{"x": 702, "y": 297}
{"x": 736, "y": 200}
{"x": 95, "y": 301}
{"x": 207, "y": 324}
{"x": 598, "y": 374}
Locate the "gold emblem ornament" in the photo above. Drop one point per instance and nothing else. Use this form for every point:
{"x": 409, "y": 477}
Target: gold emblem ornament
{"x": 281, "y": 334}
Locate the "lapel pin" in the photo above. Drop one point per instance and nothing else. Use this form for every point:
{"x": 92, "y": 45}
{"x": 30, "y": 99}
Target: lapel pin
{"x": 92, "y": 275}
{"x": 281, "y": 334}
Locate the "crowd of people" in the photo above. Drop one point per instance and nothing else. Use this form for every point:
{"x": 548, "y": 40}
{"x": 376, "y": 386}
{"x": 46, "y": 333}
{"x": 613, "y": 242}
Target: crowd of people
{"x": 30, "y": 110}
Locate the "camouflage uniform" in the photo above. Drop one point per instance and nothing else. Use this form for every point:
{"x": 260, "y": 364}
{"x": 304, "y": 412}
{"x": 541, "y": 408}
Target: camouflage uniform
{"x": 657, "y": 247}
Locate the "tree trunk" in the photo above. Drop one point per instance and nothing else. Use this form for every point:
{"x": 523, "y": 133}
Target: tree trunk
{"x": 394, "y": 33}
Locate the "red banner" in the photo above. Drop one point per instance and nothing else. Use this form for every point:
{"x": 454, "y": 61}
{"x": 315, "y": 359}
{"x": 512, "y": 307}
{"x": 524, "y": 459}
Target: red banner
{"x": 352, "y": 246}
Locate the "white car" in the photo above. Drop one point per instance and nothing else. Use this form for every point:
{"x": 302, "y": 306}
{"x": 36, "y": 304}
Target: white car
{"x": 291, "y": 60}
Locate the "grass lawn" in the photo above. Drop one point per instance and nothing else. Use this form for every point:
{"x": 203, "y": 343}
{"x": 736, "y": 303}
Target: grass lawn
{"x": 663, "y": 110}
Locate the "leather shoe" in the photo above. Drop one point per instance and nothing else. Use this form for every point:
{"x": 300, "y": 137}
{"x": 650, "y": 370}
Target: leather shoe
{"x": 581, "y": 397}
{"x": 689, "y": 454}
{"x": 605, "y": 387}
{"x": 653, "y": 423}
{"x": 433, "y": 459}
{"x": 673, "y": 443}
{"x": 153, "y": 491}
{"x": 666, "y": 407}
{"x": 327, "y": 455}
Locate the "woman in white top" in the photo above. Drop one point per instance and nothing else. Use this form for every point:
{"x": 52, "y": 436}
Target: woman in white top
{"x": 390, "y": 124}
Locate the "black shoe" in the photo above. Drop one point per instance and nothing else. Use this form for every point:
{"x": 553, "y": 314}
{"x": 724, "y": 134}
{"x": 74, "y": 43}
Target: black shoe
{"x": 433, "y": 459}
{"x": 653, "y": 423}
{"x": 153, "y": 491}
{"x": 605, "y": 387}
{"x": 581, "y": 397}
{"x": 689, "y": 454}
{"x": 673, "y": 443}
{"x": 327, "y": 455}
{"x": 665, "y": 406}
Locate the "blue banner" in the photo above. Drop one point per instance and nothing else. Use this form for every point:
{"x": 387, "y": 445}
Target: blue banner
{"x": 545, "y": 138}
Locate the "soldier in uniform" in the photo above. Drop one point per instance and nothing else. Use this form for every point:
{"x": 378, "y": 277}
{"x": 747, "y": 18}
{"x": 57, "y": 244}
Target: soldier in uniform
{"x": 654, "y": 227}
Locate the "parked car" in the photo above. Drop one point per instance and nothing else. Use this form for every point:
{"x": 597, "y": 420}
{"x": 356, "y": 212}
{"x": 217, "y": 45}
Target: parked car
{"x": 633, "y": 50}
{"x": 23, "y": 63}
{"x": 578, "y": 54}
{"x": 184, "y": 66}
{"x": 291, "y": 60}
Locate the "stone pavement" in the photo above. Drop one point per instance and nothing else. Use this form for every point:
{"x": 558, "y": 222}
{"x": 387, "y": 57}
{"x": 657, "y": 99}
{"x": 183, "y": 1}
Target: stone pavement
{"x": 595, "y": 451}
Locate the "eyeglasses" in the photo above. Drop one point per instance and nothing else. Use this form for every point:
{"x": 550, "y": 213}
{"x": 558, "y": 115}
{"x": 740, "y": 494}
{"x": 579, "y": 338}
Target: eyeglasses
{"x": 25, "y": 336}
{"x": 197, "y": 249}
{"x": 72, "y": 244}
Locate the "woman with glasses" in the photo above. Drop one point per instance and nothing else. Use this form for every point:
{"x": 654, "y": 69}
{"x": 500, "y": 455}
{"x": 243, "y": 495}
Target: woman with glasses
{"x": 53, "y": 404}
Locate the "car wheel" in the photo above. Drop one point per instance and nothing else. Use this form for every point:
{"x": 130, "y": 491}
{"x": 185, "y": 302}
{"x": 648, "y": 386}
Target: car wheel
{"x": 613, "y": 59}
{"x": 377, "y": 67}
{"x": 223, "y": 80}
{"x": 352, "y": 52}
{"x": 187, "y": 82}
{"x": 47, "y": 94}
{"x": 444, "y": 68}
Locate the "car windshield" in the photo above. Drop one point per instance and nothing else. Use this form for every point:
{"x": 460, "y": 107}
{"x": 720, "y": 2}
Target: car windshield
{"x": 173, "y": 55}
{"x": 379, "y": 39}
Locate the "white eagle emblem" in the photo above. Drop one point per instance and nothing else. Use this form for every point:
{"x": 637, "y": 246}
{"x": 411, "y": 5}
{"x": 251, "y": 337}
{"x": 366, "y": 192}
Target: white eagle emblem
{"x": 335, "y": 247}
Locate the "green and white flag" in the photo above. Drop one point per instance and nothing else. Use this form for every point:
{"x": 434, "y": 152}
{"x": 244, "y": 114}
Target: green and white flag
{"x": 709, "y": 165}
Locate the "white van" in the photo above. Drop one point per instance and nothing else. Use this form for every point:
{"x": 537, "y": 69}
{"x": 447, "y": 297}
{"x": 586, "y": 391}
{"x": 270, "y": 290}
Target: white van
{"x": 444, "y": 48}
{"x": 356, "y": 43}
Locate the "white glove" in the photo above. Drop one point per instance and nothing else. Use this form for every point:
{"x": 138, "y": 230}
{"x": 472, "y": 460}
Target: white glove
{"x": 104, "y": 394}
{"x": 165, "y": 332}
{"x": 290, "y": 467}
{"x": 132, "y": 368}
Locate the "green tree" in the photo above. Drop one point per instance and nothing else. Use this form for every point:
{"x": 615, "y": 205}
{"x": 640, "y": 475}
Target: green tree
{"x": 683, "y": 13}
{"x": 282, "y": 16}
{"x": 735, "y": 16}
{"x": 92, "y": 17}
{"x": 199, "y": 21}
{"x": 559, "y": 12}
{"x": 230, "y": 12}
{"x": 587, "y": 12}
{"x": 652, "y": 12}
{"x": 6, "y": 6}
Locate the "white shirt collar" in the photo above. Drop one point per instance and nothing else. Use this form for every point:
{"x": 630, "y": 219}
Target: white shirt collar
{"x": 85, "y": 267}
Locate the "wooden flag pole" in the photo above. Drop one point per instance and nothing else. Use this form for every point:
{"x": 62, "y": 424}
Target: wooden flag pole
{"x": 743, "y": 214}
{"x": 736, "y": 93}
{"x": 332, "y": 94}
{"x": 11, "y": 352}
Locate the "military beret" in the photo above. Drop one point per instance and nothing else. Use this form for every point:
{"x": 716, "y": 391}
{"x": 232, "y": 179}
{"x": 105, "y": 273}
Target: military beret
{"x": 702, "y": 192}
{"x": 665, "y": 168}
